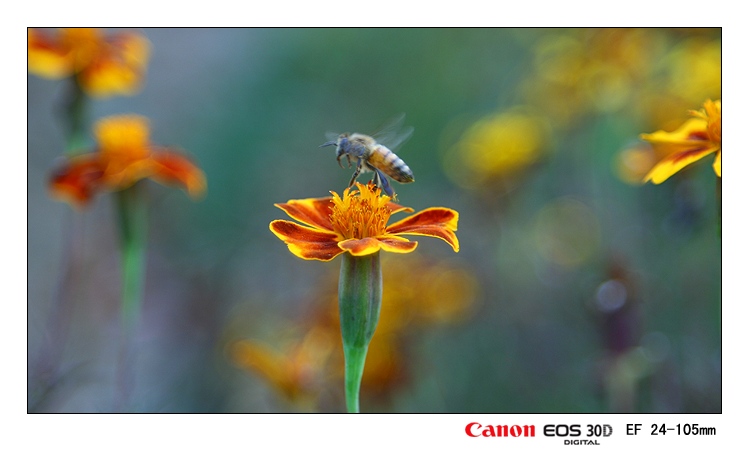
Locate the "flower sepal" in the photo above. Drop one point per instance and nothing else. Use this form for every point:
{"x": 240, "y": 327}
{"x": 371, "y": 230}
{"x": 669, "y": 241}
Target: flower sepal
{"x": 360, "y": 295}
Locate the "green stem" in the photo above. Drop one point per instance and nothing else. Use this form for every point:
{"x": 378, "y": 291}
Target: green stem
{"x": 133, "y": 232}
{"x": 360, "y": 295}
{"x": 131, "y": 209}
{"x": 74, "y": 113}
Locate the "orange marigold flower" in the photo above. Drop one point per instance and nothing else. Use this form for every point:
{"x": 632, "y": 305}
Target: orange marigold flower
{"x": 356, "y": 222}
{"x": 295, "y": 373}
{"x": 103, "y": 65}
{"x": 698, "y": 137}
{"x": 124, "y": 155}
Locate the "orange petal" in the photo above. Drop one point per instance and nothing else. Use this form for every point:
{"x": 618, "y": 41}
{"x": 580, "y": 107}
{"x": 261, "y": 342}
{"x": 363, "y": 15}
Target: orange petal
{"x": 675, "y": 162}
{"x": 47, "y": 58}
{"x": 307, "y": 243}
{"x": 121, "y": 173}
{"x": 133, "y": 49}
{"x": 395, "y": 208}
{"x": 315, "y": 212}
{"x": 173, "y": 168}
{"x": 271, "y": 365}
{"x": 106, "y": 77}
{"x": 436, "y": 222}
{"x": 78, "y": 179}
{"x": 118, "y": 69}
{"x": 369, "y": 245}
{"x": 397, "y": 244}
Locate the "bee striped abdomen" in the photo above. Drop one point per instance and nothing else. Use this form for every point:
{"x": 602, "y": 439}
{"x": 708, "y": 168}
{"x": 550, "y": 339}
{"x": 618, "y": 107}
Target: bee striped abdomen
{"x": 390, "y": 164}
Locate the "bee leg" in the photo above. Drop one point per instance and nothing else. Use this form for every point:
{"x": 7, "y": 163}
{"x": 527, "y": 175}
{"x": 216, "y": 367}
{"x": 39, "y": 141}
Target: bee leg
{"x": 382, "y": 182}
{"x": 348, "y": 161}
{"x": 356, "y": 172}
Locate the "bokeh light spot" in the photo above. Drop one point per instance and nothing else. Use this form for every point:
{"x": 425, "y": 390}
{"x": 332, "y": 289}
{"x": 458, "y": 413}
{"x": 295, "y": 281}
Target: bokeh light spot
{"x": 566, "y": 232}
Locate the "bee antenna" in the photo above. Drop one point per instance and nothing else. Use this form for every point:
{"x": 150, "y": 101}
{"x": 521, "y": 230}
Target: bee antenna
{"x": 328, "y": 144}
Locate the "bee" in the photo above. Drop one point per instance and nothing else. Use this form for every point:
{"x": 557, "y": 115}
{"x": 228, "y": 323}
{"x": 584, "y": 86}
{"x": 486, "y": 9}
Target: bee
{"x": 370, "y": 155}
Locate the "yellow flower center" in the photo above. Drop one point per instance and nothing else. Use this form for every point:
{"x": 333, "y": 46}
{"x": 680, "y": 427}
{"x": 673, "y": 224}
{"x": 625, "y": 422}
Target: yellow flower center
{"x": 711, "y": 113}
{"x": 360, "y": 216}
{"x": 123, "y": 137}
{"x": 124, "y": 145}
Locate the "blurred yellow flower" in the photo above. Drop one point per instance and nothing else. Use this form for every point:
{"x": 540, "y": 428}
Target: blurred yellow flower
{"x": 499, "y": 147}
{"x": 103, "y": 65}
{"x": 697, "y": 138}
{"x": 693, "y": 69}
{"x": 645, "y": 73}
{"x": 687, "y": 73}
{"x": 585, "y": 71}
{"x": 124, "y": 156}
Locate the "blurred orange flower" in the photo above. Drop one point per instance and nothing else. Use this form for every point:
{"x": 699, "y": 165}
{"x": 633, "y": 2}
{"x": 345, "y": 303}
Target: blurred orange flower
{"x": 697, "y": 138}
{"x": 420, "y": 295}
{"x": 124, "y": 155}
{"x": 297, "y": 373}
{"x": 103, "y": 65}
{"x": 357, "y": 223}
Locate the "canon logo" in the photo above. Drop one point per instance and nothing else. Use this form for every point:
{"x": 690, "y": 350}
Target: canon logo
{"x": 476, "y": 429}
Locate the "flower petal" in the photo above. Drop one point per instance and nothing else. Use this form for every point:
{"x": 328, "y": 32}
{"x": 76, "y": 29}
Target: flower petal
{"x": 46, "y": 57}
{"x": 675, "y": 162}
{"x": 689, "y": 132}
{"x": 369, "y": 245}
{"x": 78, "y": 179}
{"x": 134, "y": 49}
{"x": 124, "y": 136}
{"x": 395, "y": 244}
{"x": 396, "y": 208}
{"x": 121, "y": 173}
{"x": 307, "y": 243}
{"x": 107, "y": 77}
{"x": 275, "y": 367}
{"x": 436, "y": 222}
{"x": 173, "y": 168}
{"x": 118, "y": 68}
{"x": 360, "y": 247}
{"x": 315, "y": 212}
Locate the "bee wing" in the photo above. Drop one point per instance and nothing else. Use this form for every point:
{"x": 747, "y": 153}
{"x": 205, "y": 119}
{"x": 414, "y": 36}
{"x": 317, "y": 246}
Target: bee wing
{"x": 392, "y": 125}
{"x": 399, "y": 139}
{"x": 393, "y": 134}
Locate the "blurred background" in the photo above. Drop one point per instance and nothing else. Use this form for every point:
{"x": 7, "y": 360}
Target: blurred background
{"x": 577, "y": 288}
